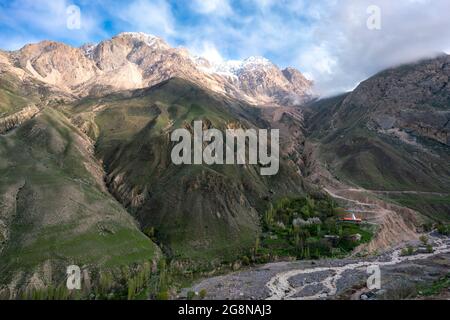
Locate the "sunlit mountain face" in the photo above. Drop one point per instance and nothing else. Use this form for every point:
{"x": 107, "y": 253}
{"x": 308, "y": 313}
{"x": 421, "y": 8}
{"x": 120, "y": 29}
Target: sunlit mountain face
{"x": 136, "y": 154}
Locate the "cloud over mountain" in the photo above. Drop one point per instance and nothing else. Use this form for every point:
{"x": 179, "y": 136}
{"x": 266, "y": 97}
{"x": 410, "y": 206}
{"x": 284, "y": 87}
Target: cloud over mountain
{"x": 328, "y": 40}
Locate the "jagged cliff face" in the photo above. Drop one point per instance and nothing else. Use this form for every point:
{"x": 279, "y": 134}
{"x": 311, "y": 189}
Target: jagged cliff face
{"x": 410, "y": 101}
{"x": 136, "y": 60}
{"x": 262, "y": 82}
{"x": 21, "y": 87}
{"x": 392, "y": 133}
{"x": 55, "y": 63}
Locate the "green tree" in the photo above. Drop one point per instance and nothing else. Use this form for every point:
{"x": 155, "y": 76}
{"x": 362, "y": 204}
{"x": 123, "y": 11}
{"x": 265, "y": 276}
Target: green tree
{"x": 202, "y": 294}
{"x": 424, "y": 240}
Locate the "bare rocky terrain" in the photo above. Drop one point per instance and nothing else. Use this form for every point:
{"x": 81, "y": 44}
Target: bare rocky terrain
{"x": 401, "y": 276}
{"x": 136, "y": 60}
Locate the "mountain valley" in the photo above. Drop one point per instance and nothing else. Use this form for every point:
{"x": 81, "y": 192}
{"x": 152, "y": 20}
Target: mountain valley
{"x": 86, "y": 176}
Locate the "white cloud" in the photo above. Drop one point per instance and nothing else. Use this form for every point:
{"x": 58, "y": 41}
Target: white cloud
{"x": 48, "y": 20}
{"x": 257, "y": 30}
{"x": 326, "y": 39}
{"x": 154, "y": 17}
{"x": 208, "y": 51}
{"x": 319, "y": 61}
{"x": 217, "y": 7}
{"x": 329, "y": 39}
{"x": 410, "y": 30}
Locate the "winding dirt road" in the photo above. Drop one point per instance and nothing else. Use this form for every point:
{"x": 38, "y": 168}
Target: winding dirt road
{"x": 280, "y": 286}
{"x": 395, "y": 224}
{"x": 332, "y": 278}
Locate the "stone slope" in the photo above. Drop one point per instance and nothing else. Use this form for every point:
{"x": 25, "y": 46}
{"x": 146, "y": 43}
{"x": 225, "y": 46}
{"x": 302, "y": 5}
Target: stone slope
{"x": 136, "y": 60}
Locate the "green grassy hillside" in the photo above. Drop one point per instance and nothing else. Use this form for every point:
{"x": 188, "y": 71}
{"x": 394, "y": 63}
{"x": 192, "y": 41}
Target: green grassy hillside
{"x": 198, "y": 213}
{"x": 54, "y": 209}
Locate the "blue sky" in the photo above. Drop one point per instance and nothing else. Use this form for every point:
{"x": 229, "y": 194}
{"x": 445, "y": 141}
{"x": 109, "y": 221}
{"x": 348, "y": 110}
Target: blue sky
{"x": 326, "y": 39}
{"x": 231, "y": 27}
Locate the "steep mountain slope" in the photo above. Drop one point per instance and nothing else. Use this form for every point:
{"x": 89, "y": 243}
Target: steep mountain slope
{"x": 137, "y": 60}
{"x": 261, "y": 82}
{"x": 55, "y": 63}
{"x": 22, "y": 95}
{"x": 19, "y": 90}
{"x": 86, "y": 176}
{"x": 391, "y": 134}
{"x": 54, "y": 208}
{"x": 200, "y": 213}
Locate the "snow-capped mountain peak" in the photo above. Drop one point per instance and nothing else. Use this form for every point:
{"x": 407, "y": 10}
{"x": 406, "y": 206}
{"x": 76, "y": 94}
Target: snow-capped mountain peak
{"x": 256, "y": 61}
{"x": 133, "y": 60}
{"x": 88, "y": 49}
{"x": 235, "y": 67}
{"x": 141, "y": 37}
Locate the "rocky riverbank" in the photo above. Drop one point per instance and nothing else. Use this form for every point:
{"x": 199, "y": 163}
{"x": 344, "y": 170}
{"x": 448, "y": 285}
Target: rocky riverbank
{"x": 401, "y": 276}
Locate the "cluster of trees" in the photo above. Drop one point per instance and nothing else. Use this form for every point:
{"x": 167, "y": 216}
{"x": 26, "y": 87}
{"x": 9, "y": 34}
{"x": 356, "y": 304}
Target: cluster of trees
{"x": 443, "y": 229}
{"x": 308, "y": 228}
{"x": 134, "y": 283}
{"x": 125, "y": 283}
{"x": 287, "y": 209}
{"x": 139, "y": 282}
{"x": 48, "y": 293}
{"x": 440, "y": 227}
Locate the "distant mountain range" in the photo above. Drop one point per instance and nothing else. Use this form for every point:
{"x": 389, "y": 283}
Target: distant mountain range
{"x": 86, "y": 176}
{"x": 136, "y": 60}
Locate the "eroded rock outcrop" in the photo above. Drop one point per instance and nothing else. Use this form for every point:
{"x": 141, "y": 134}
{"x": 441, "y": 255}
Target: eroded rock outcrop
{"x": 12, "y": 121}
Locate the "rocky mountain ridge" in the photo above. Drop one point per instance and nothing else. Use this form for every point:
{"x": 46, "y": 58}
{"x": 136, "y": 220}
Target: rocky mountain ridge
{"x": 136, "y": 60}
